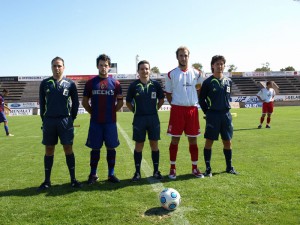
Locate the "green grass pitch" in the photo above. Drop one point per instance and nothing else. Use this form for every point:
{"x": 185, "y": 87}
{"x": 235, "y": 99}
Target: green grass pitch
{"x": 266, "y": 191}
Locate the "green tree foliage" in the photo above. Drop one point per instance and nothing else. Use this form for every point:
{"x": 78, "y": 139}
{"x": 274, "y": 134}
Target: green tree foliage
{"x": 155, "y": 70}
{"x": 231, "y": 68}
{"x": 198, "y": 66}
{"x": 265, "y": 68}
{"x": 289, "y": 68}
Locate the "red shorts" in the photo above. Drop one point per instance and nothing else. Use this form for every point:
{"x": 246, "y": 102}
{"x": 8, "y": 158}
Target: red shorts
{"x": 268, "y": 107}
{"x": 184, "y": 118}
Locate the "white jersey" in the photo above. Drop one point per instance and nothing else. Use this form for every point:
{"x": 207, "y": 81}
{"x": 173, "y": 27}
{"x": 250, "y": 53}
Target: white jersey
{"x": 267, "y": 95}
{"x": 182, "y": 86}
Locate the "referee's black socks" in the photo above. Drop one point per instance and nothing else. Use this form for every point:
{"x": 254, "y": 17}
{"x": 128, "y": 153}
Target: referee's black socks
{"x": 137, "y": 161}
{"x": 48, "y": 163}
{"x": 228, "y": 157}
{"x": 70, "y": 159}
{"x": 207, "y": 157}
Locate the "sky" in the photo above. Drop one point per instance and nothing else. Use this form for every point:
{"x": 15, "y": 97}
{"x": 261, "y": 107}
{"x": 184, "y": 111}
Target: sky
{"x": 249, "y": 33}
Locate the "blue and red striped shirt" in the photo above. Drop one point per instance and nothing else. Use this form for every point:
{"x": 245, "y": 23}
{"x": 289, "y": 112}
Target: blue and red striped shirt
{"x": 103, "y": 93}
{"x": 1, "y": 103}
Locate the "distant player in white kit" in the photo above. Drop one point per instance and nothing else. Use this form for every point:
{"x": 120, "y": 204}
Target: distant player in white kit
{"x": 266, "y": 95}
{"x": 182, "y": 86}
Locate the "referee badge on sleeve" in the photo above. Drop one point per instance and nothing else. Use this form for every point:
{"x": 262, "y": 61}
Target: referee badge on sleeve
{"x": 153, "y": 95}
{"x": 66, "y": 92}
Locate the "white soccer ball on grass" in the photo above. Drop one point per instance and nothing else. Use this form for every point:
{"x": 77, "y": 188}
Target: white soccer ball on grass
{"x": 169, "y": 198}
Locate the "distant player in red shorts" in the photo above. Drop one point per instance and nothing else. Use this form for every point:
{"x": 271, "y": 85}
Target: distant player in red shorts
{"x": 266, "y": 95}
{"x": 182, "y": 86}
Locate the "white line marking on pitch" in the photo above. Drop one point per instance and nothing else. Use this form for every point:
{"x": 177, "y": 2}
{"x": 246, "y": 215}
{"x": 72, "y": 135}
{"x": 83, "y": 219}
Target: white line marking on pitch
{"x": 22, "y": 137}
{"x": 157, "y": 186}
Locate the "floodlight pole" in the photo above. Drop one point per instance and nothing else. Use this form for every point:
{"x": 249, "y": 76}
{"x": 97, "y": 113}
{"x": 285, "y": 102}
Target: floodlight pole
{"x": 136, "y": 62}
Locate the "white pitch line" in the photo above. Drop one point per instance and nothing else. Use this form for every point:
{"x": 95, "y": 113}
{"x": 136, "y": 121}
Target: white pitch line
{"x": 22, "y": 137}
{"x": 178, "y": 215}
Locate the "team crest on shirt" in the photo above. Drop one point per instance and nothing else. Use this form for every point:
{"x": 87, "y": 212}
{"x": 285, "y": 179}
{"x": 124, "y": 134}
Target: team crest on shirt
{"x": 153, "y": 95}
{"x": 103, "y": 86}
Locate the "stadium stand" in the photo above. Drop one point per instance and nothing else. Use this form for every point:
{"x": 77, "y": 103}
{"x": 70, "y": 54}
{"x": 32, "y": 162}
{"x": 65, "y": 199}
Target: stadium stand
{"x": 31, "y": 92}
{"x": 80, "y": 87}
{"x": 16, "y": 90}
{"x": 28, "y": 91}
{"x": 244, "y": 86}
{"x": 288, "y": 85}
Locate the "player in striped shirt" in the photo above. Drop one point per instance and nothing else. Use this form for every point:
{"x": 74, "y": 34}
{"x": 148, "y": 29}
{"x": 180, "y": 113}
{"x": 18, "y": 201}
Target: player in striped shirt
{"x": 266, "y": 95}
{"x": 182, "y": 86}
{"x": 3, "y": 118}
{"x": 102, "y": 98}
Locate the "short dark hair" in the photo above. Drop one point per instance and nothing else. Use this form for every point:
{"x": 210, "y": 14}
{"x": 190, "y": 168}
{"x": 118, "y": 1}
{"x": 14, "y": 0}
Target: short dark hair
{"x": 103, "y": 57}
{"x": 269, "y": 82}
{"x": 57, "y": 58}
{"x": 215, "y": 59}
{"x": 5, "y": 90}
{"x": 182, "y": 48}
{"x": 143, "y": 62}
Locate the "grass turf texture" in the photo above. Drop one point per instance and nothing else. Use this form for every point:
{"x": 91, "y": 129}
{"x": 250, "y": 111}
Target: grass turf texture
{"x": 265, "y": 192}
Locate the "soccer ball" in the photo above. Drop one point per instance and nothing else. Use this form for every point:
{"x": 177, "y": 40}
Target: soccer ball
{"x": 169, "y": 198}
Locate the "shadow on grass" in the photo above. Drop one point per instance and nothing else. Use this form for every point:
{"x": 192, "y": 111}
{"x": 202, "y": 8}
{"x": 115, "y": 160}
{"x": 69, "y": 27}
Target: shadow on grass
{"x": 158, "y": 211}
{"x": 243, "y": 129}
{"x": 104, "y": 185}
{"x": 60, "y": 189}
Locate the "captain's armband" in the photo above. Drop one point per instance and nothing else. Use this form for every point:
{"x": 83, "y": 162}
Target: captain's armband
{"x": 198, "y": 86}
